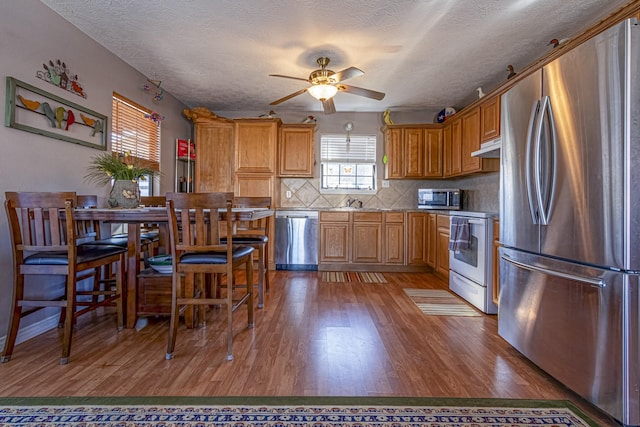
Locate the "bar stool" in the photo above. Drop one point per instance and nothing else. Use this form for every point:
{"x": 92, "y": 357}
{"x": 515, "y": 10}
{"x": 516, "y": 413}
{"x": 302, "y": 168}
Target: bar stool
{"x": 194, "y": 236}
{"x": 254, "y": 233}
{"x": 43, "y": 237}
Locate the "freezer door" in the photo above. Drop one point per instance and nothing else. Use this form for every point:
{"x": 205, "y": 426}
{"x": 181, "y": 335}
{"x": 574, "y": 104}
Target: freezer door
{"x": 518, "y": 213}
{"x": 579, "y": 324}
{"x": 582, "y": 153}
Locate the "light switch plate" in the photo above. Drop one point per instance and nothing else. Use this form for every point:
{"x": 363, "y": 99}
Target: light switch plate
{"x": 385, "y": 183}
{"x": 288, "y": 194}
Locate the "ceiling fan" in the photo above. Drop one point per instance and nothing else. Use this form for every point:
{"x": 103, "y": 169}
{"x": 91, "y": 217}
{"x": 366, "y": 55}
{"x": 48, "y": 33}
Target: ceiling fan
{"x": 326, "y": 83}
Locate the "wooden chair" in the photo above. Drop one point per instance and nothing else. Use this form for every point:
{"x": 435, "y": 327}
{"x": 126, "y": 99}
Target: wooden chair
{"x": 153, "y": 232}
{"x": 254, "y": 233}
{"x": 43, "y": 239}
{"x": 194, "y": 235}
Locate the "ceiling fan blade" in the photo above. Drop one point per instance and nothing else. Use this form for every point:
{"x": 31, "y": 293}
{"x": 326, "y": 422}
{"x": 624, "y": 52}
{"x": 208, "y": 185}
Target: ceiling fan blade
{"x": 361, "y": 91}
{"x": 328, "y": 106}
{"x": 300, "y": 92}
{"x": 345, "y": 74}
{"x": 289, "y": 77}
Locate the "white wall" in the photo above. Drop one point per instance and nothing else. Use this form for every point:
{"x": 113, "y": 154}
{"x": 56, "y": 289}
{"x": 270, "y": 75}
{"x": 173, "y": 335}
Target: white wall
{"x": 32, "y": 34}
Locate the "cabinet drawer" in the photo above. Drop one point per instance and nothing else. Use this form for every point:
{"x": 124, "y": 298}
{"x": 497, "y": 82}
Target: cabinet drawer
{"x": 333, "y": 216}
{"x": 367, "y": 217}
{"x": 394, "y": 216}
{"x": 443, "y": 221}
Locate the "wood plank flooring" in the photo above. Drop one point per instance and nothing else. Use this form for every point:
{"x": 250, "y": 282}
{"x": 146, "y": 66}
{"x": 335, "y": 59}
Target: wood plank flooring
{"x": 311, "y": 339}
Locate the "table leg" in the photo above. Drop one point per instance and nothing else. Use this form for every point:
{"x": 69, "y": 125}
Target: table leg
{"x": 133, "y": 269}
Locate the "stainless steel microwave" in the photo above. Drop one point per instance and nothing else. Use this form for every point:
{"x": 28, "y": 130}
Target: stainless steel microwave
{"x": 443, "y": 199}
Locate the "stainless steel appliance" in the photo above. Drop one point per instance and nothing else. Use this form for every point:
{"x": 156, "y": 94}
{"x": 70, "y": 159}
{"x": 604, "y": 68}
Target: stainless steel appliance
{"x": 471, "y": 270}
{"x": 443, "y": 199}
{"x": 570, "y": 220}
{"x": 296, "y": 240}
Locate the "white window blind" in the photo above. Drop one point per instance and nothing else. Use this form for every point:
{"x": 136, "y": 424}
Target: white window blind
{"x": 132, "y": 132}
{"x": 358, "y": 149}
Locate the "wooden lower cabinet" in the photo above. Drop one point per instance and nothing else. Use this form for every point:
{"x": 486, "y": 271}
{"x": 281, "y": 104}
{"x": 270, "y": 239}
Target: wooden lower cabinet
{"x": 153, "y": 293}
{"x": 393, "y": 248}
{"x": 335, "y": 237}
{"x": 367, "y": 237}
{"x": 432, "y": 239}
{"x": 417, "y": 238}
{"x": 442, "y": 250}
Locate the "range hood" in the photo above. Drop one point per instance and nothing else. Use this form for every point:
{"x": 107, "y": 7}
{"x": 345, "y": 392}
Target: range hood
{"x": 489, "y": 149}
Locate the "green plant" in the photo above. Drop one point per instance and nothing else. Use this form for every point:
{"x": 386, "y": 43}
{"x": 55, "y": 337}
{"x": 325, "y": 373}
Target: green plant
{"x": 106, "y": 167}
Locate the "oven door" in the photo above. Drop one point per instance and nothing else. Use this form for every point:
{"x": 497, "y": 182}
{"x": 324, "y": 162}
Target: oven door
{"x": 471, "y": 263}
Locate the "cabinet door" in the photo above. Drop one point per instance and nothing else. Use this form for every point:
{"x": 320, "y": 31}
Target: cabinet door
{"x": 334, "y": 242}
{"x": 393, "y": 239}
{"x": 254, "y": 185}
{"x": 255, "y": 149}
{"x": 490, "y": 123}
{"x": 417, "y": 238}
{"x": 413, "y": 142}
{"x": 452, "y": 141}
{"x": 214, "y": 161}
{"x": 367, "y": 242}
{"x": 433, "y": 153}
{"x": 442, "y": 256}
{"x": 393, "y": 169}
{"x": 432, "y": 240}
{"x": 295, "y": 150}
{"x": 470, "y": 141}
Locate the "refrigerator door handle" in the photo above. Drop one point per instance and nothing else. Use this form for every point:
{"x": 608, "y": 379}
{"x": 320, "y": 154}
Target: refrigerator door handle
{"x": 546, "y": 206}
{"x": 599, "y": 283}
{"x": 528, "y": 162}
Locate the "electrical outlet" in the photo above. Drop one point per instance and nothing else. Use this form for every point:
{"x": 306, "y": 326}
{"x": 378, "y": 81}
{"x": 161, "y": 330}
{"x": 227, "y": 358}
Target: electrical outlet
{"x": 385, "y": 183}
{"x": 288, "y": 194}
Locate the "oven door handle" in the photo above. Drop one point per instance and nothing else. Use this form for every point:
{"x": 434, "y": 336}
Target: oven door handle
{"x": 474, "y": 221}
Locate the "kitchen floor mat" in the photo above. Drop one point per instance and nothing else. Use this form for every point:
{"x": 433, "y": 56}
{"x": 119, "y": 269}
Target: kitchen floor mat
{"x": 353, "y": 276}
{"x": 438, "y": 302}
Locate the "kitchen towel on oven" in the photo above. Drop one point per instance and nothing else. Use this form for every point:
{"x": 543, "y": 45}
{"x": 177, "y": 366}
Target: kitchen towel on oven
{"x": 459, "y": 234}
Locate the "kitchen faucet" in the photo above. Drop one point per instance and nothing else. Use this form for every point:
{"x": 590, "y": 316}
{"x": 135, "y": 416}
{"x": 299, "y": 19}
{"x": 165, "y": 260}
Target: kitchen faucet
{"x": 352, "y": 201}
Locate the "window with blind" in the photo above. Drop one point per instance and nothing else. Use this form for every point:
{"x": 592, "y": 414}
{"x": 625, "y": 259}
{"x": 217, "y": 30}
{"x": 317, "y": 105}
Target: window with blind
{"x": 132, "y": 132}
{"x": 348, "y": 164}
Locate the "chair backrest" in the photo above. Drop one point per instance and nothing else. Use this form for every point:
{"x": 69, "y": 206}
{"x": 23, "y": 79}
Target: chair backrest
{"x": 87, "y": 230}
{"x": 254, "y": 226}
{"x": 40, "y": 222}
{"x": 201, "y": 212}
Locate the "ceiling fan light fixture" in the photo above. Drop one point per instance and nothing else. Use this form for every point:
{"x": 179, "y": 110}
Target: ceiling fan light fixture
{"x": 322, "y": 92}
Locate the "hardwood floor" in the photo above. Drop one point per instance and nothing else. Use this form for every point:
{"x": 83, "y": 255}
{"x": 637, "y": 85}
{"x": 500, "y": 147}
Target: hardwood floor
{"x": 311, "y": 339}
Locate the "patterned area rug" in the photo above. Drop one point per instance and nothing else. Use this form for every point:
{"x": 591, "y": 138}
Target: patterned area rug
{"x": 353, "y": 276}
{"x": 265, "y": 412}
{"x": 437, "y": 302}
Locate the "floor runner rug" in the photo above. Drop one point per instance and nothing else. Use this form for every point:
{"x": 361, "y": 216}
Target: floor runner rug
{"x": 283, "y": 411}
{"x": 353, "y": 276}
{"x": 438, "y": 302}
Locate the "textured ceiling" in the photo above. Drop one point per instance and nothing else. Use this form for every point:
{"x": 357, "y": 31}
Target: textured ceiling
{"x": 423, "y": 54}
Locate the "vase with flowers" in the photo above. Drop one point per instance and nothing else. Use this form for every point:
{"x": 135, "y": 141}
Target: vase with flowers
{"x": 123, "y": 172}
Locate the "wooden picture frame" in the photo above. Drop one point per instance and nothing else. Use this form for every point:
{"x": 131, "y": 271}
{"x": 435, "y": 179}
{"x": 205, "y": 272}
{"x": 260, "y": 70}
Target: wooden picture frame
{"x": 31, "y": 109}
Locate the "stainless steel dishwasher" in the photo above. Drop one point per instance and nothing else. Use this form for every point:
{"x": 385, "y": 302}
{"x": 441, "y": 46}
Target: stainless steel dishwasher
{"x": 296, "y": 241}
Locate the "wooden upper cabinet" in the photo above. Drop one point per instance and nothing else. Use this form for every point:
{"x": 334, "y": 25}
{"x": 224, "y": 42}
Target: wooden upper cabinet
{"x": 490, "y": 119}
{"x": 393, "y": 168}
{"x": 452, "y": 146}
{"x": 214, "y": 162}
{"x": 470, "y": 140}
{"x": 256, "y": 145}
{"x": 433, "y": 153}
{"x": 296, "y": 150}
{"x": 413, "y": 140}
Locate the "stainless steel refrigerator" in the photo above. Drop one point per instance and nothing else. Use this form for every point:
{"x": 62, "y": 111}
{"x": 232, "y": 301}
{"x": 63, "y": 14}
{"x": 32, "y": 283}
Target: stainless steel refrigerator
{"x": 570, "y": 220}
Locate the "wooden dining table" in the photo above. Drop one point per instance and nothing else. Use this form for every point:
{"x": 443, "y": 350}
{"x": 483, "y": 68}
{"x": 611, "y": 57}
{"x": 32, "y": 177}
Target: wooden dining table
{"x": 150, "y": 215}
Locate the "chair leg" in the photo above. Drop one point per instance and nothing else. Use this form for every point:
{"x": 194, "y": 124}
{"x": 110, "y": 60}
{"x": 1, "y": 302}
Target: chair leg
{"x": 69, "y": 318}
{"x": 173, "y": 323}
{"x": 120, "y": 280}
{"x": 14, "y": 320}
{"x": 261, "y": 274}
{"x": 250, "y": 310}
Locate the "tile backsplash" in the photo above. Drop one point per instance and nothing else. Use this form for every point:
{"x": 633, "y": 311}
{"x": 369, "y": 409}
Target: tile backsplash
{"x": 481, "y": 193}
